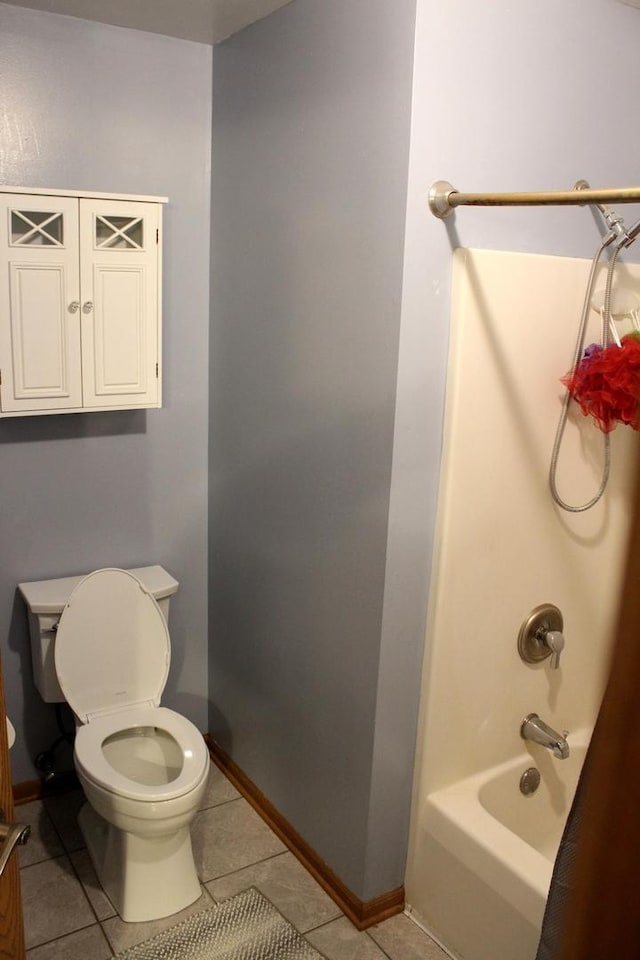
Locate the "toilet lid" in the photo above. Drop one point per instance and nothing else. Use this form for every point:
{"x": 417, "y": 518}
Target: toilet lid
{"x": 112, "y": 648}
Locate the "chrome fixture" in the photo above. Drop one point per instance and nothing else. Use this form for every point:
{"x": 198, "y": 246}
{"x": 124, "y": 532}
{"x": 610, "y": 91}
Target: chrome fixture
{"x": 618, "y": 233}
{"x": 541, "y": 635}
{"x": 529, "y": 781}
{"x": 535, "y": 729}
{"x": 11, "y": 834}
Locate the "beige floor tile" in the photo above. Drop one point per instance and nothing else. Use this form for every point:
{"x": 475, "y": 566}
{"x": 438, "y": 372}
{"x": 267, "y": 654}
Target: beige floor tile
{"x": 286, "y": 883}
{"x": 122, "y": 935}
{"x": 98, "y": 899}
{"x": 229, "y": 837}
{"x": 87, "y": 944}
{"x": 63, "y": 810}
{"x": 402, "y": 939}
{"x": 43, "y": 842}
{"x": 219, "y": 789}
{"x": 339, "y": 940}
{"x": 53, "y": 901}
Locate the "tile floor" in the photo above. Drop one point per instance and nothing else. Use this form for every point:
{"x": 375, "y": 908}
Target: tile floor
{"x": 68, "y": 916}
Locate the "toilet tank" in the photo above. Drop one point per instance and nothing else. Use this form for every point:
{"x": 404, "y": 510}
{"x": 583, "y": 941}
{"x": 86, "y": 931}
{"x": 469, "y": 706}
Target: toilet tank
{"x": 46, "y": 599}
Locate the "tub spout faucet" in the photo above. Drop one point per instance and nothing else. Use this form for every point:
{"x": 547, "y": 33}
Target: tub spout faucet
{"x": 535, "y": 729}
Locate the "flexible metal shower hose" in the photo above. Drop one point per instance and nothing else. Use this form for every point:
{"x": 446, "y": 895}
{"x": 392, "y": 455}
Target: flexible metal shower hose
{"x": 577, "y": 356}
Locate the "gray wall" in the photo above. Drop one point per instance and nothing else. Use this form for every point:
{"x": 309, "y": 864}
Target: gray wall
{"x": 87, "y": 106}
{"x": 311, "y": 136}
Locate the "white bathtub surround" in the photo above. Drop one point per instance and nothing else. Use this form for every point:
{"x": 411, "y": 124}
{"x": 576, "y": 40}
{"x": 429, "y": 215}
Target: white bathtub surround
{"x": 502, "y": 548}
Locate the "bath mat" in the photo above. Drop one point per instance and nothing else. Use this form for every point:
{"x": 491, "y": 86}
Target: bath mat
{"x": 245, "y": 927}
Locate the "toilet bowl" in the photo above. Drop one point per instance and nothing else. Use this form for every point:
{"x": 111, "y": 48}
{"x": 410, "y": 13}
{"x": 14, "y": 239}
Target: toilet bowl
{"x": 143, "y": 767}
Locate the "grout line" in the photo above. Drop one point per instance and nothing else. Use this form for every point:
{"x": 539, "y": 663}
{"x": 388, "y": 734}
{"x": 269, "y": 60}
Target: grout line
{"x": 247, "y": 866}
{"x": 73, "y": 873}
{"x": 377, "y": 945}
{"x": 221, "y": 803}
{"x": 364, "y": 933}
{"x": 112, "y": 945}
{"x": 326, "y": 923}
{"x": 58, "y": 831}
{"x": 206, "y": 893}
{"x": 106, "y": 936}
{"x": 87, "y": 897}
{"x": 36, "y": 832}
{"x": 46, "y": 943}
{"x": 43, "y": 807}
{"x": 38, "y": 863}
{"x": 381, "y": 949}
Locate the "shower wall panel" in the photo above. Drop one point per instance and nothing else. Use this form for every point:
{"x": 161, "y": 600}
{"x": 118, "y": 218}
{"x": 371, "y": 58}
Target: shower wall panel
{"x": 503, "y": 546}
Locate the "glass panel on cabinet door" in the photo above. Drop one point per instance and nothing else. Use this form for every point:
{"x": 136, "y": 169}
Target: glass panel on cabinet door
{"x": 33, "y": 228}
{"x": 121, "y": 233}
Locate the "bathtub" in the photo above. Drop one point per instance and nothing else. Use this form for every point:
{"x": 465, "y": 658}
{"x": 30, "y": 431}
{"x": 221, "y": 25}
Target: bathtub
{"x": 487, "y": 854}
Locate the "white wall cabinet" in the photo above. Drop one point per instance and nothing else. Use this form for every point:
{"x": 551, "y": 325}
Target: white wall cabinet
{"x": 80, "y": 302}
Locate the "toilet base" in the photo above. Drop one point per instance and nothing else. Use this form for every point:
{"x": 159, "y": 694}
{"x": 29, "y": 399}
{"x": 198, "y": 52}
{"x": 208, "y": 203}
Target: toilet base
{"x": 145, "y": 878}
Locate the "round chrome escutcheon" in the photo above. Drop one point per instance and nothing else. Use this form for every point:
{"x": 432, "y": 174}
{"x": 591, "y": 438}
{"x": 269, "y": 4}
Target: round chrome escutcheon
{"x": 530, "y": 781}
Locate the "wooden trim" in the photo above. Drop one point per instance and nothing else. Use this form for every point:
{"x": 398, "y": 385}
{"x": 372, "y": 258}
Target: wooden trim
{"x": 362, "y": 914}
{"x": 30, "y": 790}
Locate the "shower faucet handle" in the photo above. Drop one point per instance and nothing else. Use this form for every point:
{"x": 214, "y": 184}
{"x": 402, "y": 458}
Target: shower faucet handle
{"x": 554, "y": 639}
{"x": 541, "y": 635}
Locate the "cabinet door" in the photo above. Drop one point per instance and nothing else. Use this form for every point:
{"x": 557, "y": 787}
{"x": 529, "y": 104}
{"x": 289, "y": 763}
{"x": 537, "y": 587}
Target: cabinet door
{"x": 119, "y": 243}
{"x": 39, "y": 294}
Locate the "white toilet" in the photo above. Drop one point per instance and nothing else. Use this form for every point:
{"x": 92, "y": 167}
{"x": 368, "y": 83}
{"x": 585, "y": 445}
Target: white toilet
{"x": 143, "y": 768}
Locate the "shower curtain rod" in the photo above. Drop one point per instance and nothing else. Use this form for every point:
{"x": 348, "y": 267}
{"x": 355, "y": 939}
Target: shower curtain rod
{"x": 444, "y": 198}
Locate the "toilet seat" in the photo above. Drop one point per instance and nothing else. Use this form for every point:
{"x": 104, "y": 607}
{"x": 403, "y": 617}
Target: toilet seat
{"x": 112, "y": 655}
{"x": 112, "y": 648}
{"x": 90, "y": 757}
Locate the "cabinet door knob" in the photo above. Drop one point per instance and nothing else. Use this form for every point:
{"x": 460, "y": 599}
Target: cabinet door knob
{"x": 74, "y": 306}
{"x": 87, "y": 307}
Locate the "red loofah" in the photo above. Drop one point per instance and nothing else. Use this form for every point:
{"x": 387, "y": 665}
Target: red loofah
{"x": 606, "y": 384}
